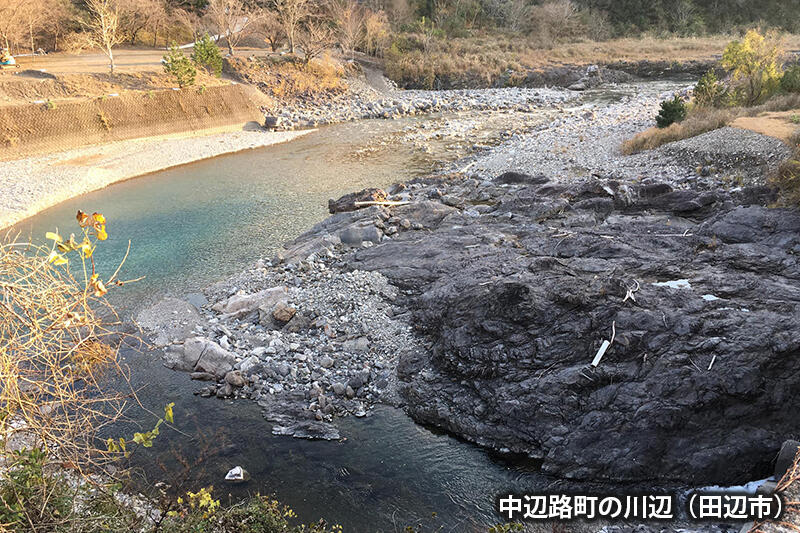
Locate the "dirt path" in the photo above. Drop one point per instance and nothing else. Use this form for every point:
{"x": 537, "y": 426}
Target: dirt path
{"x": 782, "y": 125}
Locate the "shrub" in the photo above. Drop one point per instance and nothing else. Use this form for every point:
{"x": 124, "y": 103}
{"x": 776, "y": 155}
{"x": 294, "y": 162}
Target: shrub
{"x": 199, "y": 512}
{"x": 755, "y": 65}
{"x": 787, "y": 180}
{"x": 179, "y": 66}
{"x": 790, "y": 82}
{"x": 207, "y": 55}
{"x": 58, "y": 375}
{"x": 671, "y": 111}
{"x": 709, "y": 91}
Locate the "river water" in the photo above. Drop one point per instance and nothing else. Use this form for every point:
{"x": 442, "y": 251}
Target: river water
{"x": 193, "y": 225}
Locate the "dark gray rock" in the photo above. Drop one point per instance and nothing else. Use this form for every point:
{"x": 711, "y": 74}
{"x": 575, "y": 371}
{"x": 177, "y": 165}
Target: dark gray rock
{"x": 356, "y": 234}
{"x": 513, "y": 323}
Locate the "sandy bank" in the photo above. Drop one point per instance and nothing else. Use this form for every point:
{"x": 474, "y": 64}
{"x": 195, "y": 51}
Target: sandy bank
{"x": 36, "y": 183}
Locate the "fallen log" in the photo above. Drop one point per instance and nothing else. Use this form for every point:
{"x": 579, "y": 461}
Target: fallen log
{"x": 355, "y": 200}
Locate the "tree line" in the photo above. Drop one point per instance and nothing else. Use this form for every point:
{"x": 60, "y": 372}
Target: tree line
{"x": 55, "y": 25}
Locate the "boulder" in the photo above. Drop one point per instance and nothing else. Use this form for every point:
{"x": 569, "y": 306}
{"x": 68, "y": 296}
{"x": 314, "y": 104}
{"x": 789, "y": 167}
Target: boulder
{"x": 251, "y": 365}
{"x": 698, "y": 383}
{"x": 169, "y": 320}
{"x": 235, "y": 378}
{"x": 358, "y": 233}
{"x": 271, "y": 122}
{"x": 206, "y": 356}
{"x": 283, "y": 312}
{"x": 241, "y": 304}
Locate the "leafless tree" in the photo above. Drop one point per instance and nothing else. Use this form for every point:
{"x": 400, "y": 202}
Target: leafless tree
{"x": 138, "y": 15}
{"x": 555, "y": 20}
{"x": 272, "y": 30}
{"x": 234, "y": 20}
{"x": 187, "y": 19}
{"x": 350, "y": 20}
{"x": 13, "y": 26}
{"x": 292, "y": 13}
{"x": 516, "y": 14}
{"x": 315, "y": 36}
{"x": 377, "y": 33}
{"x": 102, "y": 27}
{"x": 60, "y": 18}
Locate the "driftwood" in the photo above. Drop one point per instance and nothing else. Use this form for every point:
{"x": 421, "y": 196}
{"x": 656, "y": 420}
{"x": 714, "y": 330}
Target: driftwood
{"x": 603, "y": 347}
{"x": 357, "y": 200}
{"x": 386, "y": 203}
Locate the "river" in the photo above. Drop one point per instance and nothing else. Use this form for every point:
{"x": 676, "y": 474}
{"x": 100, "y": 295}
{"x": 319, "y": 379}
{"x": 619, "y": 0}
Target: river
{"x": 193, "y": 225}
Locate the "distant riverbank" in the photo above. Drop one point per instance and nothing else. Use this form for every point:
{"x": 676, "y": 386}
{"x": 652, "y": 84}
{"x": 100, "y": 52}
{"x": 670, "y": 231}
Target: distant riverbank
{"x": 36, "y": 183}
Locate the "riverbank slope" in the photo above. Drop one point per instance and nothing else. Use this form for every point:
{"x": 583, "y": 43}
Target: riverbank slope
{"x": 63, "y": 175}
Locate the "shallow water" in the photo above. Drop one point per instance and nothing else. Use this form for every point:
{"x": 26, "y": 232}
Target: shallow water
{"x": 200, "y": 223}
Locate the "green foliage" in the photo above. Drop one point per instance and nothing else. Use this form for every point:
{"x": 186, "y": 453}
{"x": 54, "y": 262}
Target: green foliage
{"x": 506, "y": 528}
{"x": 143, "y": 439}
{"x": 672, "y": 111}
{"x": 199, "y": 512}
{"x": 179, "y": 66}
{"x": 19, "y": 487}
{"x": 755, "y": 65}
{"x": 709, "y": 91}
{"x": 34, "y": 496}
{"x": 790, "y": 82}
{"x": 207, "y": 55}
{"x": 795, "y": 118}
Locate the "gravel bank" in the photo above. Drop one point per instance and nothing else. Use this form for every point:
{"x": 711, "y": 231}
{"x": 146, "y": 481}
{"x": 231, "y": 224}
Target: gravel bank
{"x": 363, "y": 102}
{"x": 586, "y": 141}
{"x": 64, "y": 175}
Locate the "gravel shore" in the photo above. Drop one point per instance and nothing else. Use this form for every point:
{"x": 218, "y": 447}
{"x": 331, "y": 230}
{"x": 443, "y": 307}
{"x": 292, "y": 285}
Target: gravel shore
{"x": 67, "y": 174}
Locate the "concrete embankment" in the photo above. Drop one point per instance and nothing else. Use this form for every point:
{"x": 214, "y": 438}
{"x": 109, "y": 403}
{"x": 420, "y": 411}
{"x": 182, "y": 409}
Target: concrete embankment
{"x": 46, "y": 127}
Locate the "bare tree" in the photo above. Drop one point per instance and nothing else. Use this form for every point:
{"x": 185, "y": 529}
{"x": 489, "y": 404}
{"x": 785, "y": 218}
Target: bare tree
{"x": 377, "y": 33}
{"x": 555, "y": 20}
{"x": 314, "y": 38}
{"x": 234, "y": 20}
{"x": 350, "y": 20}
{"x": 138, "y": 15}
{"x": 60, "y": 18}
{"x": 271, "y": 29}
{"x": 103, "y": 27}
{"x": 292, "y": 13}
{"x": 187, "y": 19}
{"x": 516, "y": 14}
{"x": 13, "y": 26}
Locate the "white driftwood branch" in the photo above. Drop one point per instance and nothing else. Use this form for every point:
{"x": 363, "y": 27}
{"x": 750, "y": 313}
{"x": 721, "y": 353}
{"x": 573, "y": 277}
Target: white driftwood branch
{"x": 604, "y": 347}
{"x": 375, "y": 202}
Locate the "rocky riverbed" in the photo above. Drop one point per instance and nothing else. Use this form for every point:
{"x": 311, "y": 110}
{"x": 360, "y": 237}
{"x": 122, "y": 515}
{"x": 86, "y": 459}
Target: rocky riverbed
{"x": 478, "y": 300}
{"x": 362, "y": 101}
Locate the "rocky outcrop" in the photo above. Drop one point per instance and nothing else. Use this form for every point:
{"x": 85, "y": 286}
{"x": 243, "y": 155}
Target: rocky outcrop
{"x": 515, "y": 290}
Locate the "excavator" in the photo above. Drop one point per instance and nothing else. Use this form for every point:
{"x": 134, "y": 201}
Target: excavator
{"x": 7, "y": 61}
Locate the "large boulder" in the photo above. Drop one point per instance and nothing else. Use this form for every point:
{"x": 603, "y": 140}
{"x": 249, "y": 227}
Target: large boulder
{"x": 199, "y": 354}
{"x": 242, "y": 304}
